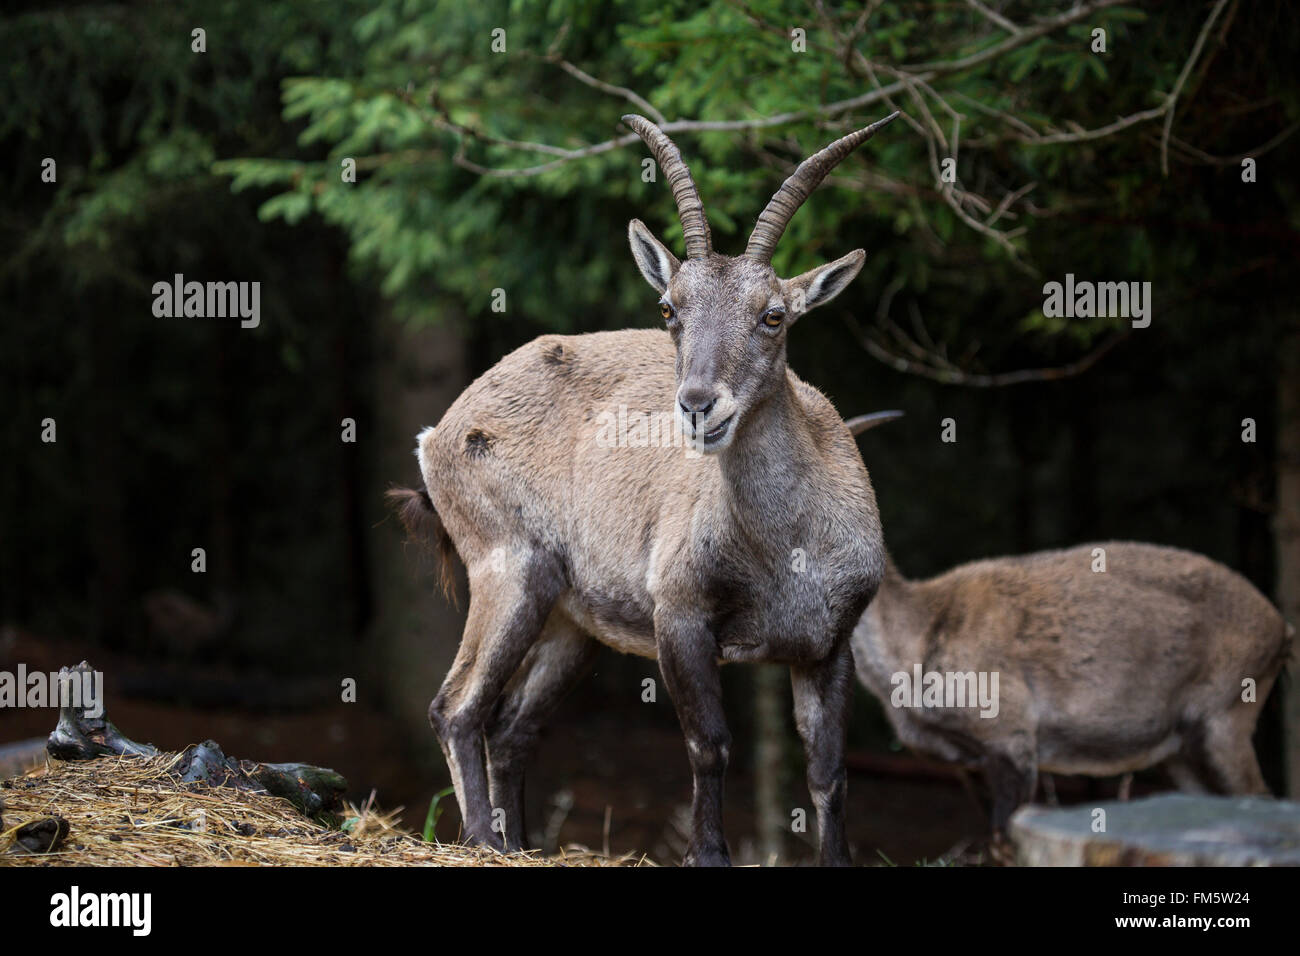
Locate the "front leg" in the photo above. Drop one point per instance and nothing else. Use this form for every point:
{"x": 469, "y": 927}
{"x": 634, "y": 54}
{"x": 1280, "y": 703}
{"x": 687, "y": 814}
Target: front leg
{"x": 688, "y": 659}
{"x": 822, "y": 692}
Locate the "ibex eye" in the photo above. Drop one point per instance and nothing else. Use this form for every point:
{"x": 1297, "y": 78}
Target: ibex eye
{"x": 773, "y": 318}
{"x": 665, "y": 310}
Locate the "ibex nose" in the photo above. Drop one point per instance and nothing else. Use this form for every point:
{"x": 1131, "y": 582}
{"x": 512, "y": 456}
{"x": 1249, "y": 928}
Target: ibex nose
{"x": 696, "y": 399}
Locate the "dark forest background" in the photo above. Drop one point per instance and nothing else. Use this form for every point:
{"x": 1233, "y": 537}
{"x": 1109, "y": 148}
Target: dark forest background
{"x": 228, "y": 165}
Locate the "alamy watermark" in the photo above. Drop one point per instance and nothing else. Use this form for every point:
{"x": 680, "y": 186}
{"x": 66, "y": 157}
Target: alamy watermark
{"x": 1085, "y": 300}
{"x": 627, "y": 428}
{"x": 950, "y": 689}
{"x": 81, "y": 690}
{"x": 133, "y": 911}
{"x": 208, "y": 300}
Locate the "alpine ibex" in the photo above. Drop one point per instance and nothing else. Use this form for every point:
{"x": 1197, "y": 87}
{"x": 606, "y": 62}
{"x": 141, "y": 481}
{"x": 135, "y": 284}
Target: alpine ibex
{"x": 1163, "y": 657}
{"x": 687, "y": 554}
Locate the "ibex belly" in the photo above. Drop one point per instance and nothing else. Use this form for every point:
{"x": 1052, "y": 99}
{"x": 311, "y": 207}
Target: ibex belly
{"x": 1124, "y": 745}
{"x": 617, "y": 622}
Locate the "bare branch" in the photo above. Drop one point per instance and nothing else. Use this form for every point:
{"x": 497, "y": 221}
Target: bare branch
{"x": 939, "y": 369}
{"x": 1041, "y": 28}
{"x": 994, "y": 16}
{"x": 933, "y": 363}
{"x": 1013, "y": 121}
{"x": 631, "y": 96}
{"x": 570, "y": 155}
{"x": 676, "y": 126}
{"x": 1007, "y": 200}
{"x": 1212, "y": 160}
{"x": 1080, "y": 136}
{"x": 1172, "y": 99}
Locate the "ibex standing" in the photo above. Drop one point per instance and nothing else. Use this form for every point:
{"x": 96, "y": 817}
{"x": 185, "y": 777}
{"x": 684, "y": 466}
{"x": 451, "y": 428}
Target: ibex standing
{"x": 767, "y": 547}
{"x": 1163, "y": 657}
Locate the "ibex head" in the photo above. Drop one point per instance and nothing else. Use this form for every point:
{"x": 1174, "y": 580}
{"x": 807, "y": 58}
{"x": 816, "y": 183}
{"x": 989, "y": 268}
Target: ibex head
{"x": 729, "y": 315}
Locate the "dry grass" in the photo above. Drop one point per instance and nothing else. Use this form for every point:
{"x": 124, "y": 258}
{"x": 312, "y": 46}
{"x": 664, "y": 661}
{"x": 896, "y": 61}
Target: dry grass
{"x": 128, "y": 812}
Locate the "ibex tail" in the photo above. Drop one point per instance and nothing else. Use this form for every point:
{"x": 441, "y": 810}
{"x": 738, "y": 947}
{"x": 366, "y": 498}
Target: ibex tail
{"x": 416, "y": 512}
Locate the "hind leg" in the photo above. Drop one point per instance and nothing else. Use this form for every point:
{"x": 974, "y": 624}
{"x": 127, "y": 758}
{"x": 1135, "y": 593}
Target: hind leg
{"x": 553, "y": 665}
{"x": 1229, "y": 755}
{"x": 1012, "y": 774}
{"x": 507, "y": 609}
{"x": 1185, "y": 775}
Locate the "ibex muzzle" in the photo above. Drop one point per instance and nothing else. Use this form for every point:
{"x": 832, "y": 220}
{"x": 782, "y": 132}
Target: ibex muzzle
{"x": 569, "y": 539}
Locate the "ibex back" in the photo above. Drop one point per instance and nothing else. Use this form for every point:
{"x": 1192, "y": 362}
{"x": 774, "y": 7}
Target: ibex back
{"x": 755, "y": 540}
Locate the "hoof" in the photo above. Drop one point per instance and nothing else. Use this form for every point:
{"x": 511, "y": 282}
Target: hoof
{"x": 489, "y": 841}
{"x": 707, "y": 856}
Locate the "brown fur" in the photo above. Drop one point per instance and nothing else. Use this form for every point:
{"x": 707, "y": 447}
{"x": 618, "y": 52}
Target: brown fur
{"x": 414, "y": 509}
{"x": 757, "y": 541}
{"x": 610, "y": 542}
{"x": 1100, "y": 672}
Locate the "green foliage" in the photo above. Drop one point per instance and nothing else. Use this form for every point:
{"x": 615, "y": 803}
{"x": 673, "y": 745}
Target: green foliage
{"x": 416, "y": 220}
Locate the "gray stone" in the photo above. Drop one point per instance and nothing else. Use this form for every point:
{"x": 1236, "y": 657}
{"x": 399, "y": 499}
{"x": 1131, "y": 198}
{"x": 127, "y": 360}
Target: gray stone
{"x": 1174, "y": 829}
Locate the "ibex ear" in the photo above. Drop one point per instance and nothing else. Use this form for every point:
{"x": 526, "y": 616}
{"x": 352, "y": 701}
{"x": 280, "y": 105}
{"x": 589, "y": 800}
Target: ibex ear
{"x": 656, "y": 263}
{"x": 818, "y": 286}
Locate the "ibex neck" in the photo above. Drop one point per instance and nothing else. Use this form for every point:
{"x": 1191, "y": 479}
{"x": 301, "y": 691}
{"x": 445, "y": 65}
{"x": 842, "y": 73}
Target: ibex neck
{"x": 895, "y": 590}
{"x": 766, "y": 468}
{"x": 893, "y": 577}
{"x": 900, "y": 615}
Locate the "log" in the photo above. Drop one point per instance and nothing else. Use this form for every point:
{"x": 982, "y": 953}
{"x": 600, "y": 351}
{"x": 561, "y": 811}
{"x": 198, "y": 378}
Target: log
{"x": 1173, "y": 829}
{"x": 78, "y": 737}
{"x": 312, "y": 790}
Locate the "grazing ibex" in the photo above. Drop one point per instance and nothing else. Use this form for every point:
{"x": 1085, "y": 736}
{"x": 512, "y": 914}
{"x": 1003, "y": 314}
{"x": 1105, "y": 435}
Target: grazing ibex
{"x": 759, "y": 541}
{"x": 1163, "y": 657}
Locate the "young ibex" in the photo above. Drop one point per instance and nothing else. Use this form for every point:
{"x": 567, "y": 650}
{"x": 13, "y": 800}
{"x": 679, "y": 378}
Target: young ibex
{"x": 1163, "y": 657}
{"x": 657, "y": 551}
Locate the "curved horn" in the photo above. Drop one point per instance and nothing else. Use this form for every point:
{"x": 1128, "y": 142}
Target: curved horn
{"x": 690, "y": 210}
{"x": 863, "y": 422}
{"x": 773, "y": 220}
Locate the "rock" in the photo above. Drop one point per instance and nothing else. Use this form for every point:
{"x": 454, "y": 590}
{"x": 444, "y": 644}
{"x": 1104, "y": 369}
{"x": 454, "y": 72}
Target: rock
{"x": 1174, "y": 829}
{"x": 40, "y": 836}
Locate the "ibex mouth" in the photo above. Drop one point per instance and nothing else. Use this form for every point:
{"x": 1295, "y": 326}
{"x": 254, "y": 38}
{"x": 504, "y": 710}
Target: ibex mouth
{"x": 715, "y": 436}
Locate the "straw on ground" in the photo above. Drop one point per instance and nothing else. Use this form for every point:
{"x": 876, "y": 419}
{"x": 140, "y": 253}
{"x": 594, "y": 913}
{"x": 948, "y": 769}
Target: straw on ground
{"x": 128, "y": 812}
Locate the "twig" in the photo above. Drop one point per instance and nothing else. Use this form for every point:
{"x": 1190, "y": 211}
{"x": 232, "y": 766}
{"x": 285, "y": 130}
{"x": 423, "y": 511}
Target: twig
{"x": 1041, "y": 28}
{"x": 1172, "y": 99}
{"x": 951, "y": 375}
{"x": 676, "y": 126}
{"x": 631, "y": 96}
{"x": 1236, "y": 160}
{"x": 994, "y": 16}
